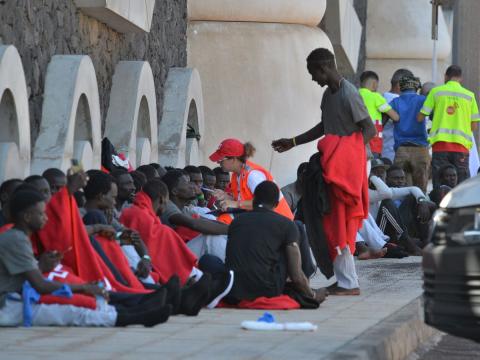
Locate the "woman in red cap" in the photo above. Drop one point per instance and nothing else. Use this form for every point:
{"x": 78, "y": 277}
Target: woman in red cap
{"x": 233, "y": 155}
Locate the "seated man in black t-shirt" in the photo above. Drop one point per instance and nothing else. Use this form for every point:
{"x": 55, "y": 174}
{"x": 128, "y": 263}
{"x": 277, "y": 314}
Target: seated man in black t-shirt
{"x": 263, "y": 252}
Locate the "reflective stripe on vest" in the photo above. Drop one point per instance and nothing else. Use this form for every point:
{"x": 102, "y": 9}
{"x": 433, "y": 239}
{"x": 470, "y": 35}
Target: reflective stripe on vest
{"x": 426, "y": 110}
{"x": 451, "y": 132}
{"x": 384, "y": 107}
{"x": 453, "y": 94}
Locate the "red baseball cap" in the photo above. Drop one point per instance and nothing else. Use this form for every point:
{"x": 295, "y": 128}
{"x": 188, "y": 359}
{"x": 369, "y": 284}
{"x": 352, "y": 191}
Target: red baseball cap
{"x": 228, "y": 148}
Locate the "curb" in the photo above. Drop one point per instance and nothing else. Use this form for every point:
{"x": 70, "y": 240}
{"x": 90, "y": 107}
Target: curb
{"x": 394, "y": 338}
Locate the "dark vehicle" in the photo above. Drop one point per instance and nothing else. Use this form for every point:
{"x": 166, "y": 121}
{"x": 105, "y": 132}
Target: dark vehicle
{"x": 451, "y": 264}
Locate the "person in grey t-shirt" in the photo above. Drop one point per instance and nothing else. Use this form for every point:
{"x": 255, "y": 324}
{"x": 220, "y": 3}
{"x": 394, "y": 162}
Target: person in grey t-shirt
{"x": 343, "y": 114}
{"x": 292, "y": 192}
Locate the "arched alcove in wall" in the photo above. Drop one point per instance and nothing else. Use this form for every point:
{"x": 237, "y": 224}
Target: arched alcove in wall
{"x": 8, "y": 118}
{"x": 14, "y": 116}
{"x": 182, "y": 126}
{"x": 192, "y": 151}
{"x": 71, "y": 120}
{"x": 82, "y": 148}
{"x": 131, "y": 123}
{"x": 144, "y": 133}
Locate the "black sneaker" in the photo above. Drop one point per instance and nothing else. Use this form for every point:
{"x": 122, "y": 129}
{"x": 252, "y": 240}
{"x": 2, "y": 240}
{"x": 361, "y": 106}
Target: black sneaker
{"x": 221, "y": 286}
{"x": 173, "y": 293}
{"x": 194, "y": 297}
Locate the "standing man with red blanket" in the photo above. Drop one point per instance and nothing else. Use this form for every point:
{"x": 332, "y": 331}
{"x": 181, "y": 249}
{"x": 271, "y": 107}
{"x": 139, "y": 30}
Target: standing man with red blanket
{"x": 347, "y": 127}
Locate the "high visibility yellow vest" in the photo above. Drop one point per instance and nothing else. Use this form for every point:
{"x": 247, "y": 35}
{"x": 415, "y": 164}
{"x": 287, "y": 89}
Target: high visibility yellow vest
{"x": 376, "y": 104}
{"x": 454, "y": 109}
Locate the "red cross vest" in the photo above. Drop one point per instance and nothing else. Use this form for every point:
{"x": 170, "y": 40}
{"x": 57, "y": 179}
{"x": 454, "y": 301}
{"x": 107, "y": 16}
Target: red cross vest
{"x": 241, "y": 191}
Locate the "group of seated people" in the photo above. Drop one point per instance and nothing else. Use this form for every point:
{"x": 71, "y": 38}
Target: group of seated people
{"x": 120, "y": 247}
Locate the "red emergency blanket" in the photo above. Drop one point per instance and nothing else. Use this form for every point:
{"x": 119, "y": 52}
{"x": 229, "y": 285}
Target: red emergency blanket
{"x": 66, "y": 233}
{"x": 344, "y": 165}
{"x": 170, "y": 256}
{"x": 281, "y": 302}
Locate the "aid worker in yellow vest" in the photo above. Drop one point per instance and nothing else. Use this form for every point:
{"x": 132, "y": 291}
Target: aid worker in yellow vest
{"x": 233, "y": 155}
{"x": 376, "y": 105}
{"x": 455, "y": 117}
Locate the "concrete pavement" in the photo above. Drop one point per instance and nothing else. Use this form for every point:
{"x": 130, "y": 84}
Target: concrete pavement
{"x": 346, "y": 327}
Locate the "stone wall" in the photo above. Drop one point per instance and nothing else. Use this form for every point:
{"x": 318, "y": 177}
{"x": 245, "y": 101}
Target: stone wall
{"x": 42, "y": 28}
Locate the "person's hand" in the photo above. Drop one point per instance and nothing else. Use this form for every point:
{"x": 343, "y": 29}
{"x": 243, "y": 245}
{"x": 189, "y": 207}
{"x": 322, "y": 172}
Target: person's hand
{"x": 282, "y": 145}
{"x": 135, "y": 238}
{"x": 107, "y": 231}
{"x": 76, "y": 180}
{"x": 220, "y": 195}
{"x": 227, "y": 203}
{"x": 95, "y": 290}
{"x": 423, "y": 212}
{"x": 48, "y": 261}
{"x": 130, "y": 237}
{"x": 143, "y": 268}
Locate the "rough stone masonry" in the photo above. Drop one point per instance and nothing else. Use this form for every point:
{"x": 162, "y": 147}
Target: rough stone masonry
{"x": 42, "y": 28}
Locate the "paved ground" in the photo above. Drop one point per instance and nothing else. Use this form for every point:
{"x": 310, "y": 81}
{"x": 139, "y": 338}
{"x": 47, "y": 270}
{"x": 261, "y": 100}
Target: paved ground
{"x": 387, "y": 286}
{"x": 447, "y": 347}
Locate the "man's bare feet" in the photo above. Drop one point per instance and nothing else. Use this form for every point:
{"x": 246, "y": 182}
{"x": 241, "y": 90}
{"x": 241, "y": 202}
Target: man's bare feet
{"x": 339, "y": 291}
{"x": 334, "y": 285}
{"x": 320, "y": 294}
{"x": 372, "y": 254}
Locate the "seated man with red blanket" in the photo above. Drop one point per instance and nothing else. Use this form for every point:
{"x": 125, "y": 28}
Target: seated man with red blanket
{"x": 101, "y": 192}
{"x": 263, "y": 252}
{"x": 170, "y": 255}
{"x": 19, "y": 274}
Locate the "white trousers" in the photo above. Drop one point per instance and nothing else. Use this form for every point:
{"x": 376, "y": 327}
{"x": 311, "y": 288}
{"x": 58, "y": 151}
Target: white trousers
{"x": 58, "y": 315}
{"x": 371, "y": 234}
{"x": 344, "y": 269}
{"x": 209, "y": 244}
{"x": 474, "y": 161}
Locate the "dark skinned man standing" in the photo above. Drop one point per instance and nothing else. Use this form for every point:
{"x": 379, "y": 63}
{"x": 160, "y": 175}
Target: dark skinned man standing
{"x": 347, "y": 127}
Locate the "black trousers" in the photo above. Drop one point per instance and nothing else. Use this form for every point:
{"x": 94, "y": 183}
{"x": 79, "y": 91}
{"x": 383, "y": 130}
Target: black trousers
{"x": 390, "y": 221}
{"x": 308, "y": 266}
{"x": 402, "y": 221}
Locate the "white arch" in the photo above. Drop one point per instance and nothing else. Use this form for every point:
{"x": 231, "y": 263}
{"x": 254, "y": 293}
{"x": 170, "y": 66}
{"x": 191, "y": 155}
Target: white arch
{"x": 71, "y": 120}
{"x": 182, "y": 89}
{"x": 15, "y": 135}
{"x": 131, "y": 123}
{"x": 302, "y": 12}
